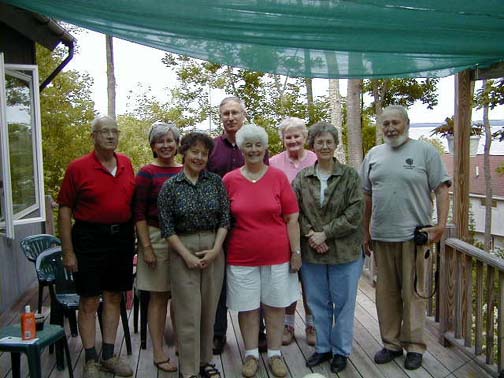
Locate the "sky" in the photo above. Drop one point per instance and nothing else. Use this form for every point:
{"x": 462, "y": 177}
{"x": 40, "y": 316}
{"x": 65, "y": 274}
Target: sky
{"x": 139, "y": 67}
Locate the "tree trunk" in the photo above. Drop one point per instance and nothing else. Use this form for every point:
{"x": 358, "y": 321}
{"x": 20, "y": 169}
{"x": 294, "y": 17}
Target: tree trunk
{"x": 309, "y": 98}
{"x": 337, "y": 117}
{"x": 379, "y": 93}
{"x": 354, "y": 122}
{"x": 488, "y": 177}
{"x": 111, "y": 82}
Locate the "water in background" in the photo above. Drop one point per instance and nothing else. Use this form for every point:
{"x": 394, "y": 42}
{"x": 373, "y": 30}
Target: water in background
{"x": 418, "y": 130}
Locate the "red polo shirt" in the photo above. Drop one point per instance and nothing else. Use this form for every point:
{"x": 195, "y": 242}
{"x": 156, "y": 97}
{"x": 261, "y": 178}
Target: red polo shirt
{"x": 94, "y": 195}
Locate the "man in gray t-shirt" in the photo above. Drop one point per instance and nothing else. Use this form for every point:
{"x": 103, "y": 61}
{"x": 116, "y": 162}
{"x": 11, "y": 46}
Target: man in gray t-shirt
{"x": 399, "y": 178}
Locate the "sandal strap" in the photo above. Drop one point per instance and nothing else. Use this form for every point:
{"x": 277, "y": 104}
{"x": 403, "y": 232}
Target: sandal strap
{"x": 210, "y": 370}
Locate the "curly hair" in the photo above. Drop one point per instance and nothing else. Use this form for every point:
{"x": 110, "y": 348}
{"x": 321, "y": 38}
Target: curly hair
{"x": 194, "y": 137}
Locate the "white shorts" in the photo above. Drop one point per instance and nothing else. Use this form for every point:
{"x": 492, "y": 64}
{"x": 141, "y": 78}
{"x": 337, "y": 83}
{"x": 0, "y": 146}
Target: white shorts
{"x": 272, "y": 285}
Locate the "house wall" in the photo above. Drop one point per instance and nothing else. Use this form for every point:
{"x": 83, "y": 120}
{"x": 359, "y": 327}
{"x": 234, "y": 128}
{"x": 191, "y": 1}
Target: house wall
{"x": 17, "y": 274}
{"x": 17, "y": 49}
{"x": 478, "y": 214}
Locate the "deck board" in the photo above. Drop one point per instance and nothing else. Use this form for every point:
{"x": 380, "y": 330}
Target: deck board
{"x": 439, "y": 362}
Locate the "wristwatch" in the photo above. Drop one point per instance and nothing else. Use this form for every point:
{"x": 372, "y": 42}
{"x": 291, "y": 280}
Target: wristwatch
{"x": 296, "y": 252}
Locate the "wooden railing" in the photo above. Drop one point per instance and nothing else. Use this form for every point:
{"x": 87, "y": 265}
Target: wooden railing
{"x": 469, "y": 304}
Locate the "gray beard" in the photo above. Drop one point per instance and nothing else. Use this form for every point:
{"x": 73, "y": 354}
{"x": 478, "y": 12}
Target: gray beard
{"x": 397, "y": 141}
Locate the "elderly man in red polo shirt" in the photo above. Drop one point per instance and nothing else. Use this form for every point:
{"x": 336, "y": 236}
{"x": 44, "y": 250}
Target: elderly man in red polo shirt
{"x": 97, "y": 192}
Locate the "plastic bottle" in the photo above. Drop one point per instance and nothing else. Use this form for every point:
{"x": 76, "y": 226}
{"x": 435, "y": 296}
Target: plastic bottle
{"x": 28, "y": 330}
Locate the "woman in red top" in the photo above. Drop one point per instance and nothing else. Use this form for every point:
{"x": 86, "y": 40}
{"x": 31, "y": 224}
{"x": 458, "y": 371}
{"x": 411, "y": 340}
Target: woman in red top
{"x": 152, "y": 268}
{"x": 263, "y": 248}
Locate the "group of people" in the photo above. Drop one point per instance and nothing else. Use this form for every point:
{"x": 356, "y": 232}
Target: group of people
{"x": 232, "y": 228}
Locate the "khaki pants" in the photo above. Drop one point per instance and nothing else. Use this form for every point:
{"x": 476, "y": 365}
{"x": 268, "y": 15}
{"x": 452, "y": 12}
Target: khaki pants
{"x": 401, "y": 312}
{"x": 195, "y": 295}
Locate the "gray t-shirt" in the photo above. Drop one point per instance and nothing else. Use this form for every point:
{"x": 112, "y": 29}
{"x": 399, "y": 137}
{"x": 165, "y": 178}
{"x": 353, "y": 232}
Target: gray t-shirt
{"x": 400, "y": 182}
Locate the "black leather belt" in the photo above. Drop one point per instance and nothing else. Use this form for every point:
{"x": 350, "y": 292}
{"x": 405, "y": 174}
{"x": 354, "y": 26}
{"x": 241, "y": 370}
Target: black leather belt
{"x": 109, "y": 229}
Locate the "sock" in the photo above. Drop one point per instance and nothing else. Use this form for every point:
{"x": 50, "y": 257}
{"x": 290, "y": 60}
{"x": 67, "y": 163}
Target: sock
{"x": 273, "y": 353}
{"x": 107, "y": 351}
{"x": 309, "y": 320}
{"x": 90, "y": 354}
{"x": 252, "y": 352}
{"x": 289, "y": 320}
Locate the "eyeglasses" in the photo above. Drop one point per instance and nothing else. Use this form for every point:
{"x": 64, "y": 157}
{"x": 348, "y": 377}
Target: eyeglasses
{"x": 233, "y": 113}
{"x": 106, "y": 132}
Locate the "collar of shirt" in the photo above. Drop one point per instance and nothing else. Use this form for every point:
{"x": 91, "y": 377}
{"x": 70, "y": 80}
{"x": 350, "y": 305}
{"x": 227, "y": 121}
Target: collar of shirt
{"x": 312, "y": 171}
{"x": 181, "y": 177}
{"x": 99, "y": 165}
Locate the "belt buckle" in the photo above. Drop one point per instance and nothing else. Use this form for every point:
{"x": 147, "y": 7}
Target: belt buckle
{"x": 114, "y": 229}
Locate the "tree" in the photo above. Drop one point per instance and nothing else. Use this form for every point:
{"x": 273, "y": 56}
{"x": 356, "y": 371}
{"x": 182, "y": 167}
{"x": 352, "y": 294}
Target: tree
{"x": 66, "y": 113}
{"x": 111, "y": 81}
{"x": 337, "y": 117}
{"x": 403, "y": 92}
{"x": 354, "y": 122}
{"x": 488, "y": 97}
{"x": 268, "y": 97}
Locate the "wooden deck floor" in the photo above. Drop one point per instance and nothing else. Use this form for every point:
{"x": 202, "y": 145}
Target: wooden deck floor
{"x": 438, "y": 361}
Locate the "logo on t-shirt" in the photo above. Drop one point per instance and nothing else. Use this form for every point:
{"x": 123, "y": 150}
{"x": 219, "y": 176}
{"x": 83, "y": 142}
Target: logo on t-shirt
{"x": 409, "y": 164}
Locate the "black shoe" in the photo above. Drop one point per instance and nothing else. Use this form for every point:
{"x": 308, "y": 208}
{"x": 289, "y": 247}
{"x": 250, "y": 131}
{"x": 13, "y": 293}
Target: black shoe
{"x": 413, "y": 361}
{"x": 317, "y": 358}
{"x": 218, "y": 344}
{"x": 209, "y": 371}
{"x": 263, "y": 343}
{"x": 386, "y": 355}
{"x": 338, "y": 363}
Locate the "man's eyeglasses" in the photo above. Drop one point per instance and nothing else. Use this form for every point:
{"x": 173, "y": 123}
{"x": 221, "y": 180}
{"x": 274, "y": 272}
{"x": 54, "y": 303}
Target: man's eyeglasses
{"x": 106, "y": 132}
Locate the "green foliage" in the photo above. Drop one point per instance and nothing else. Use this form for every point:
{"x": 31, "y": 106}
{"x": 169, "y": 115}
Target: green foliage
{"x": 403, "y": 92}
{"x": 447, "y": 128}
{"x": 134, "y": 139}
{"x": 268, "y": 98}
{"x": 66, "y": 113}
{"x": 492, "y": 94}
{"x": 436, "y": 143}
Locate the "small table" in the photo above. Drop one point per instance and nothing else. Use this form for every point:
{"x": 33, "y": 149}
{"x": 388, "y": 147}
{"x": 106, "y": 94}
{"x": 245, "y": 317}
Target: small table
{"x": 51, "y": 334}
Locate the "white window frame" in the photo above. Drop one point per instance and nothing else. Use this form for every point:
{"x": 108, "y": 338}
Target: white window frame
{"x": 11, "y": 219}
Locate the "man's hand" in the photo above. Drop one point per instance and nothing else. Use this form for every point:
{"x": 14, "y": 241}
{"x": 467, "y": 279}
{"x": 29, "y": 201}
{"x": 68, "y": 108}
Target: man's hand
{"x": 367, "y": 244}
{"x": 435, "y": 233}
{"x": 207, "y": 257}
{"x": 70, "y": 261}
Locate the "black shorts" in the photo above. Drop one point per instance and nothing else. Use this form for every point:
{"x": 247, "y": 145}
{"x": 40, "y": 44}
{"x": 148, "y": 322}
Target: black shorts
{"x": 104, "y": 257}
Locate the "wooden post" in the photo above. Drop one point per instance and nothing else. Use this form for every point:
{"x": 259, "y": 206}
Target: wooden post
{"x": 463, "y": 109}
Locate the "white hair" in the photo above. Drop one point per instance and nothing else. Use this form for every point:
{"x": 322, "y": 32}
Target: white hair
{"x": 251, "y": 132}
{"x": 292, "y": 123}
{"x": 102, "y": 121}
{"x": 401, "y": 110}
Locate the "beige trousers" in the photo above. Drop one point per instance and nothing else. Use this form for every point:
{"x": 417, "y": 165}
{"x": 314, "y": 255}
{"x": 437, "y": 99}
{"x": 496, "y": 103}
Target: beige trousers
{"x": 195, "y": 294}
{"x": 401, "y": 312}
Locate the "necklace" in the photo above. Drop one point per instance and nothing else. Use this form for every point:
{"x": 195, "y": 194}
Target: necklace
{"x": 254, "y": 177}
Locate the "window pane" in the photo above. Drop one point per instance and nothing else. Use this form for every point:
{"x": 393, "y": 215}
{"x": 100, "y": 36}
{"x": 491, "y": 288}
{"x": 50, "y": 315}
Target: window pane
{"x": 20, "y": 124}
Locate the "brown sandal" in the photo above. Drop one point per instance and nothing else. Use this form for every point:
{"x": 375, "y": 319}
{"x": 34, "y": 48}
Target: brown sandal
{"x": 160, "y": 364}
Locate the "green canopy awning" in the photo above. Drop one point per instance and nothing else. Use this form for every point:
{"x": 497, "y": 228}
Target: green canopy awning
{"x": 329, "y": 39}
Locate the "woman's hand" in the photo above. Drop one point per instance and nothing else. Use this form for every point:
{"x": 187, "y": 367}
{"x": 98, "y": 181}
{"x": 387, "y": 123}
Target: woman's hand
{"x": 192, "y": 262}
{"x": 321, "y": 248}
{"x": 295, "y": 262}
{"x": 207, "y": 257}
{"x": 317, "y": 238}
{"x": 149, "y": 257}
